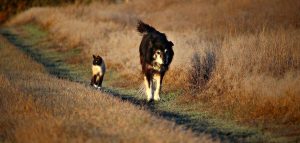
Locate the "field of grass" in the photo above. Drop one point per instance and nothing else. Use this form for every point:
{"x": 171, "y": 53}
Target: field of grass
{"x": 38, "y": 107}
{"x": 236, "y": 60}
{"x": 33, "y": 41}
{"x": 9, "y": 8}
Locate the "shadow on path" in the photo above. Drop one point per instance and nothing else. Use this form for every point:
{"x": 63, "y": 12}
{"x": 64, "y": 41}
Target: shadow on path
{"x": 198, "y": 126}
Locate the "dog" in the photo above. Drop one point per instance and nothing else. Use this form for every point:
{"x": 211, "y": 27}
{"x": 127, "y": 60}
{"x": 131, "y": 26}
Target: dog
{"x": 98, "y": 70}
{"x": 156, "y": 54}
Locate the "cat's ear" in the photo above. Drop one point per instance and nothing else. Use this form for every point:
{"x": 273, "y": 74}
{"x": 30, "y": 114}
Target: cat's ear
{"x": 171, "y": 43}
{"x": 94, "y": 56}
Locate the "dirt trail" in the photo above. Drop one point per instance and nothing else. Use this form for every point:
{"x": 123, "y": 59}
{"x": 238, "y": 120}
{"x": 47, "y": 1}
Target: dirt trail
{"x": 197, "y": 125}
{"x": 38, "y": 107}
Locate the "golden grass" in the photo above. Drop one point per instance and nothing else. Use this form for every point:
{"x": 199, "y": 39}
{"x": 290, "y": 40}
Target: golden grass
{"x": 258, "y": 74}
{"x": 255, "y": 68}
{"x": 37, "y": 107}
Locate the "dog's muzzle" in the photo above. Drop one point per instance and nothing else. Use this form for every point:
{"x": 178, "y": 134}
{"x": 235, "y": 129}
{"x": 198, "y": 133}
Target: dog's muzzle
{"x": 156, "y": 66}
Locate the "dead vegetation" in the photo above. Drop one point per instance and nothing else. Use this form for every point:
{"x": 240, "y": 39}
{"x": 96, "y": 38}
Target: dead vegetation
{"x": 37, "y": 107}
{"x": 238, "y": 57}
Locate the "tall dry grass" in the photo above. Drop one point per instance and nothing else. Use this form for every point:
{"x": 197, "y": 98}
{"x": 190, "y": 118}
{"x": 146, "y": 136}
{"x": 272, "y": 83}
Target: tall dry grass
{"x": 256, "y": 77}
{"x": 240, "y": 57}
{"x": 37, "y": 107}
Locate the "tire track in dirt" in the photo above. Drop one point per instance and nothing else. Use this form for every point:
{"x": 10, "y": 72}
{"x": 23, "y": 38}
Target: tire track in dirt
{"x": 38, "y": 107}
{"x": 197, "y": 126}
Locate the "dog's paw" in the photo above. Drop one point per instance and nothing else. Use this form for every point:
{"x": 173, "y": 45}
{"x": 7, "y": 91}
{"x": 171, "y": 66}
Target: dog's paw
{"x": 156, "y": 98}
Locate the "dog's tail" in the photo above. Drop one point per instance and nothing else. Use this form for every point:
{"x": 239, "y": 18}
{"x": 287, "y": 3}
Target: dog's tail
{"x": 144, "y": 28}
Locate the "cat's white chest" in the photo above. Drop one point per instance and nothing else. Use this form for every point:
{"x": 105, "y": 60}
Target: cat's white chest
{"x": 97, "y": 70}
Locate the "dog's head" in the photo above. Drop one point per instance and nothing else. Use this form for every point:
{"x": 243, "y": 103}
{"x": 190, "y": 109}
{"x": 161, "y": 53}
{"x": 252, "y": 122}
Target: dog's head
{"x": 155, "y": 49}
{"x": 162, "y": 52}
{"x": 97, "y": 60}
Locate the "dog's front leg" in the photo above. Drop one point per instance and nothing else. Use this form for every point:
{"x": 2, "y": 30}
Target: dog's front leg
{"x": 157, "y": 80}
{"x": 148, "y": 88}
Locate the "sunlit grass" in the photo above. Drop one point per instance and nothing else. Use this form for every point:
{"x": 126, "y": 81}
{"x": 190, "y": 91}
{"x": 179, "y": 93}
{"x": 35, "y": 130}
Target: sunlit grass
{"x": 248, "y": 49}
{"x": 38, "y": 107}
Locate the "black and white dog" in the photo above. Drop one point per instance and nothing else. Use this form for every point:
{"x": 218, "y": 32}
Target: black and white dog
{"x": 156, "y": 55}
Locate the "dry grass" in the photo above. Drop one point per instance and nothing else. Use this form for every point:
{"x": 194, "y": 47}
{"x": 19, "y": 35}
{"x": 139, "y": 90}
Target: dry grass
{"x": 256, "y": 73}
{"x": 253, "y": 74}
{"x": 37, "y": 107}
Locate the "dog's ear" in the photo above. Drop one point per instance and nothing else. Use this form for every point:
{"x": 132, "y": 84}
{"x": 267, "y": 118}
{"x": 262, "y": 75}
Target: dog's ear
{"x": 94, "y": 56}
{"x": 151, "y": 41}
{"x": 171, "y": 43}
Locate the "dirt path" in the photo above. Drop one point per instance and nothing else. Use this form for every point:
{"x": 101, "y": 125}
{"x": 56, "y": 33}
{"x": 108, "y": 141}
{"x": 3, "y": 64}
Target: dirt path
{"x": 198, "y": 123}
{"x": 38, "y": 107}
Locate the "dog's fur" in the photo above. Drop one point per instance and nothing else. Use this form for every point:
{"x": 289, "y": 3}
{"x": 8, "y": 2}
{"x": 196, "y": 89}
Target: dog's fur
{"x": 156, "y": 55}
{"x": 98, "y": 69}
